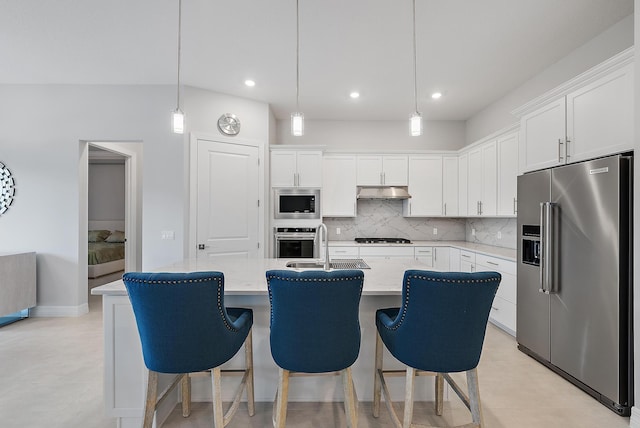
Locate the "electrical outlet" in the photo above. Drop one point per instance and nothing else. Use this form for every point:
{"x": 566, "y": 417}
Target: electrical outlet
{"x": 473, "y": 232}
{"x": 167, "y": 235}
{"x": 435, "y": 230}
{"x": 499, "y": 235}
{"x": 338, "y": 231}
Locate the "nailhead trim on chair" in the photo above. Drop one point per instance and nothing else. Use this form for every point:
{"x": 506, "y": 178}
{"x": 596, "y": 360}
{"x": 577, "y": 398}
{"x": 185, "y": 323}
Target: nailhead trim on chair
{"x": 183, "y": 281}
{"x": 426, "y": 278}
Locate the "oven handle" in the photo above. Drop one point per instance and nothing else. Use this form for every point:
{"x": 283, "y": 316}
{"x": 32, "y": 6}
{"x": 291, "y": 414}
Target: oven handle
{"x": 293, "y": 237}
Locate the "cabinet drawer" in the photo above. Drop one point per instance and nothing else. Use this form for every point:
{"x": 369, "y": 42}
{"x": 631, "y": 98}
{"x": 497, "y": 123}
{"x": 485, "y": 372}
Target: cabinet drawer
{"x": 467, "y": 256}
{"x": 386, "y": 251}
{"x": 343, "y": 252}
{"x": 507, "y": 288}
{"x": 503, "y": 314}
{"x": 423, "y": 251}
{"x": 494, "y": 263}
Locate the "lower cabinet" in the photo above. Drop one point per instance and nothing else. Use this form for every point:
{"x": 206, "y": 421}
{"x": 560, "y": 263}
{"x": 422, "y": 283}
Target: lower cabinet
{"x": 343, "y": 252}
{"x": 503, "y": 310}
{"x": 383, "y": 252}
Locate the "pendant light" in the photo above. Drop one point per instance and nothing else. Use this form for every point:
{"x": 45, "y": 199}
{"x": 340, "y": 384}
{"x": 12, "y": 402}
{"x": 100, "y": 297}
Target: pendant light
{"x": 416, "y": 117}
{"x": 297, "y": 118}
{"x": 178, "y": 115}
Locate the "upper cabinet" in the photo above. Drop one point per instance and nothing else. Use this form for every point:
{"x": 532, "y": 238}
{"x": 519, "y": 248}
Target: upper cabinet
{"x": 587, "y": 117}
{"x": 339, "y": 186}
{"x": 507, "y": 149}
{"x": 450, "y": 185}
{"x": 482, "y": 180}
{"x": 296, "y": 168}
{"x": 382, "y": 170}
{"x": 425, "y": 187}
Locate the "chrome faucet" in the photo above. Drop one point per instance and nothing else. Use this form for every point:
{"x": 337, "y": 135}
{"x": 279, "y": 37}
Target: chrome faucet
{"x": 327, "y": 263}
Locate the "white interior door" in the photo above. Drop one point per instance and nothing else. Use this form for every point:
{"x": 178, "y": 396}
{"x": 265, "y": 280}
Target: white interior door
{"x": 227, "y": 200}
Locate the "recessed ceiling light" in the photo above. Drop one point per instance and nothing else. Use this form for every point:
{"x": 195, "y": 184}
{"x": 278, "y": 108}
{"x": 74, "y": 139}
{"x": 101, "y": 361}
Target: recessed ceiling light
{"x": 436, "y": 95}
{"x": 354, "y": 95}
{"x": 250, "y": 83}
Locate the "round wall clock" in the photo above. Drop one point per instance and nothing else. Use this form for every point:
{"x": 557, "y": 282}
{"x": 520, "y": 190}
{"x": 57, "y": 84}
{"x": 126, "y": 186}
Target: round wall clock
{"x": 7, "y": 188}
{"x": 229, "y": 124}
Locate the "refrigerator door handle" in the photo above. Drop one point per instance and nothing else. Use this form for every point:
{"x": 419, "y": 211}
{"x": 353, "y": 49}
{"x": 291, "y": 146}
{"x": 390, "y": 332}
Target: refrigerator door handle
{"x": 546, "y": 244}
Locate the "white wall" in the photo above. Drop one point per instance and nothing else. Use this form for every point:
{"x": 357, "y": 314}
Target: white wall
{"x": 375, "y": 135}
{"x": 43, "y": 147}
{"x": 498, "y": 115}
{"x": 106, "y": 191}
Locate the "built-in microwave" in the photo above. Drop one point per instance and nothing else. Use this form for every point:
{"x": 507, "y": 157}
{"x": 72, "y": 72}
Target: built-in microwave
{"x": 296, "y": 203}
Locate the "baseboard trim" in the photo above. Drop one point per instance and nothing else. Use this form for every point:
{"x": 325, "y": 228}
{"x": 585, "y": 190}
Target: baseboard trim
{"x": 59, "y": 311}
{"x": 634, "y": 421}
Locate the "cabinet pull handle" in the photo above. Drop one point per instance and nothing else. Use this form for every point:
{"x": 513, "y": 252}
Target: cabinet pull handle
{"x": 445, "y": 208}
{"x": 465, "y": 255}
{"x": 567, "y": 154}
{"x": 560, "y": 158}
{"x": 495, "y": 308}
{"x": 515, "y": 206}
{"x": 492, "y": 263}
{"x": 384, "y": 178}
{"x": 409, "y": 207}
{"x": 381, "y": 179}
{"x": 480, "y": 202}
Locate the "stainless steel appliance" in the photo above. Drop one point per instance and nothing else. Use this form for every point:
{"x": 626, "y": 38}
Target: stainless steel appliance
{"x": 296, "y": 203}
{"x": 575, "y": 275}
{"x": 295, "y": 242}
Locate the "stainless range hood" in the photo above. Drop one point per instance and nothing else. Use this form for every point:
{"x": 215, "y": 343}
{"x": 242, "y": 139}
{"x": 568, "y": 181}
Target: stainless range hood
{"x": 383, "y": 192}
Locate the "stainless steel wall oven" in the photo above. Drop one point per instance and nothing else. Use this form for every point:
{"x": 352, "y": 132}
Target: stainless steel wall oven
{"x": 295, "y": 242}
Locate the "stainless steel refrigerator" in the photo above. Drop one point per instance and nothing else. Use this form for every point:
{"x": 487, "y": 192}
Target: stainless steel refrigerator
{"x": 574, "y": 310}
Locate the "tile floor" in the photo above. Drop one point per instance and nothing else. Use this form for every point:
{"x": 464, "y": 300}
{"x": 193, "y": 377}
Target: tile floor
{"x": 51, "y": 376}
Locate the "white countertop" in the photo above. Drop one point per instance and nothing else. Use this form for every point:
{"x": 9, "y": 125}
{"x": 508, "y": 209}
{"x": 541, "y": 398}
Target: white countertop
{"x": 490, "y": 250}
{"x": 247, "y": 276}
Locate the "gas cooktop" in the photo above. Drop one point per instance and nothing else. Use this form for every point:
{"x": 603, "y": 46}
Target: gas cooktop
{"x": 382, "y": 241}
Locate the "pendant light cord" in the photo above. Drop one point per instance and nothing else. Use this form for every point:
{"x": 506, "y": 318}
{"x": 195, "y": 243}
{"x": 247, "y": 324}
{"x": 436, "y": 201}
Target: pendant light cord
{"x": 179, "y": 49}
{"x": 297, "y": 56}
{"x": 415, "y": 79}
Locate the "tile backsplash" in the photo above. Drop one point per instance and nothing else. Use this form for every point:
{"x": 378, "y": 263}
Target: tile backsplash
{"x": 382, "y": 218}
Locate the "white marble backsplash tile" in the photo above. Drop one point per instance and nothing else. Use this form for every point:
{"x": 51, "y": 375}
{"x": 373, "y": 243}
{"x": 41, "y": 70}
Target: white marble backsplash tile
{"x": 487, "y": 231}
{"x": 378, "y": 218}
{"x": 381, "y": 218}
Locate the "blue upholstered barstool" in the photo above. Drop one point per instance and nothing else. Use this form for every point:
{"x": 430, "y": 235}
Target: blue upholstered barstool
{"x": 315, "y": 330}
{"x": 438, "y": 330}
{"x": 185, "y": 328}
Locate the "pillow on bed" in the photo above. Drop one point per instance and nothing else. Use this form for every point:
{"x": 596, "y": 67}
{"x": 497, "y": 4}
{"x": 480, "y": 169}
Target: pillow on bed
{"x": 98, "y": 235}
{"x": 116, "y": 236}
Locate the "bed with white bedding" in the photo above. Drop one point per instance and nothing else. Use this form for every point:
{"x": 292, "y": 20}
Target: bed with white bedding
{"x": 106, "y": 247}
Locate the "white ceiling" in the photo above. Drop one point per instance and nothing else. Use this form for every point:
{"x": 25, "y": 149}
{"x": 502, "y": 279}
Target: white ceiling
{"x": 474, "y": 51}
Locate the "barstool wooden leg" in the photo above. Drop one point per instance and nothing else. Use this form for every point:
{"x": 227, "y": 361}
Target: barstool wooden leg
{"x": 474, "y": 397}
{"x": 186, "y": 395}
{"x": 377, "y": 384}
{"x": 152, "y": 397}
{"x": 280, "y": 417}
{"x": 216, "y": 388}
{"x": 439, "y": 385}
{"x": 408, "y": 397}
{"x": 248, "y": 352}
{"x": 350, "y": 404}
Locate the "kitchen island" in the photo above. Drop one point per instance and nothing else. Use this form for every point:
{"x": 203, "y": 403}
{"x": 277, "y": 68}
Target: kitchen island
{"x": 245, "y": 286}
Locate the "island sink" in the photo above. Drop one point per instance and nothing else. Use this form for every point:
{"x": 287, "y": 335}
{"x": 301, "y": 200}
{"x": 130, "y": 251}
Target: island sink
{"x": 334, "y": 264}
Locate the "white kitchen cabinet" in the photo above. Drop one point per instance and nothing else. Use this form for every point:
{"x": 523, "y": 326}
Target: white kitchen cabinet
{"x": 379, "y": 170}
{"x": 587, "y": 117}
{"x": 339, "y": 188}
{"x": 450, "y": 185}
{"x": 425, "y": 187}
{"x": 454, "y": 259}
{"x": 386, "y": 252}
{"x": 467, "y": 261}
{"x": 424, "y": 254}
{"x": 600, "y": 116}
{"x": 507, "y": 148}
{"x": 503, "y": 310}
{"x": 463, "y": 188}
{"x": 343, "y": 252}
{"x": 542, "y": 137}
{"x": 482, "y": 180}
{"x": 441, "y": 259}
{"x": 296, "y": 168}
